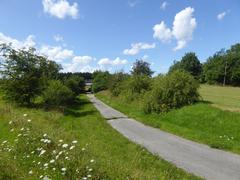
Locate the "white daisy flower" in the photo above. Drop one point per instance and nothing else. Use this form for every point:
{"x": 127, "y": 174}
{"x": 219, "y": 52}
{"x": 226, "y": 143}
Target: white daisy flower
{"x": 64, "y": 169}
{"x": 74, "y": 142}
{"x": 42, "y": 152}
{"x": 65, "y": 145}
{"x": 72, "y": 147}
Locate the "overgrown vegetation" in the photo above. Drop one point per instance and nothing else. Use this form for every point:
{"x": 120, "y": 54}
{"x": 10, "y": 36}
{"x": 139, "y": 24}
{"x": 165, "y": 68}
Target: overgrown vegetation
{"x": 160, "y": 94}
{"x": 172, "y": 91}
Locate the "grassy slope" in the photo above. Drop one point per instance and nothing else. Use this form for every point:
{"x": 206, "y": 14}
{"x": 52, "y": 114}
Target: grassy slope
{"x": 223, "y": 97}
{"x": 200, "y": 122}
{"x": 115, "y": 157}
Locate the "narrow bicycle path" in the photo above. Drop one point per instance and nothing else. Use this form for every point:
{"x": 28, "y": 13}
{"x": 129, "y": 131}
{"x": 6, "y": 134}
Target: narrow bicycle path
{"x": 193, "y": 157}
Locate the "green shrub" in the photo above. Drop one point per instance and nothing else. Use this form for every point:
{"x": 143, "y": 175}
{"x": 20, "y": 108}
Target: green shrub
{"x": 100, "y": 81}
{"x": 116, "y": 83}
{"x": 57, "y": 94}
{"x": 75, "y": 84}
{"x": 171, "y": 91}
{"x": 135, "y": 87}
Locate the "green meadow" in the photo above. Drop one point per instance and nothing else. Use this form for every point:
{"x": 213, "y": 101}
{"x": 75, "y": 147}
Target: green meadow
{"x": 76, "y": 144}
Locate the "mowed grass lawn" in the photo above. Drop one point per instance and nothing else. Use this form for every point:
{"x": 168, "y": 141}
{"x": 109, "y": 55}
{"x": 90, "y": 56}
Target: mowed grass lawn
{"x": 77, "y": 144}
{"x": 226, "y": 98}
{"x": 200, "y": 122}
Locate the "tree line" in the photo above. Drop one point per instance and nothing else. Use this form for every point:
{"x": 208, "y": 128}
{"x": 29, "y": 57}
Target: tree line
{"x": 221, "y": 68}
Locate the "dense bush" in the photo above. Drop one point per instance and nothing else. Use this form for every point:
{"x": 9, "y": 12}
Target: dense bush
{"x": 116, "y": 85}
{"x": 171, "y": 91}
{"x": 57, "y": 94}
{"x": 101, "y": 81}
{"x": 76, "y": 84}
{"x": 135, "y": 87}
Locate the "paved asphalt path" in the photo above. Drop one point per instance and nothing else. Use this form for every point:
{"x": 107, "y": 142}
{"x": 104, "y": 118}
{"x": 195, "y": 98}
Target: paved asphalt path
{"x": 193, "y": 157}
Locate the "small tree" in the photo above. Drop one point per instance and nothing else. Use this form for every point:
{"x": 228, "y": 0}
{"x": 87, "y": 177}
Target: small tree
{"x": 141, "y": 67}
{"x": 25, "y": 74}
{"x": 57, "y": 94}
{"x": 76, "y": 84}
{"x": 100, "y": 81}
{"x": 189, "y": 63}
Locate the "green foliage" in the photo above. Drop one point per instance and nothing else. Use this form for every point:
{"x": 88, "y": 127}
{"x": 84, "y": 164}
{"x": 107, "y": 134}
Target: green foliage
{"x": 223, "y": 67}
{"x": 65, "y": 75}
{"x": 76, "y": 84}
{"x": 135, "y": 87}
{"x": 141, "y": 68}
{"x": 116, "y": 83}
{"x": 57, "y": 94}
{"x": 100, "y": 81}
{"x": 171, "y": 91}
{"x": 25, "y": 74}
{"x": 188, "y": 63}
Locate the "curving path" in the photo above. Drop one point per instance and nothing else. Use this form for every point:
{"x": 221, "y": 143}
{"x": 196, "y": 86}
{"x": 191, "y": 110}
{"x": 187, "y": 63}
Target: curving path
{"x": 193, "y": 157}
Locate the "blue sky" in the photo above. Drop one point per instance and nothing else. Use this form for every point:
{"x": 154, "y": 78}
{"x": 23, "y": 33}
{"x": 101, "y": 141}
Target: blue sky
{"x": 84, "y": 35}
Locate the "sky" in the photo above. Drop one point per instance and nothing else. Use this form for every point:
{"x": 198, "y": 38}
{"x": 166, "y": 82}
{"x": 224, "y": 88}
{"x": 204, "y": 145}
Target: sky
{"x": 88, "y": 35}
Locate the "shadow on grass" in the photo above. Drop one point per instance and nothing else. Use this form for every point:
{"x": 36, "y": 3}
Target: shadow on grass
{"x": 74, "y": 113}
{"x": 76, "y": 108}
{"x": 205, "y": 102}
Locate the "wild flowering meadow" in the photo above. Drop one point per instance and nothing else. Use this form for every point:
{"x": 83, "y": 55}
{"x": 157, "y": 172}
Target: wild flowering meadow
{"x": 43, "y": 156}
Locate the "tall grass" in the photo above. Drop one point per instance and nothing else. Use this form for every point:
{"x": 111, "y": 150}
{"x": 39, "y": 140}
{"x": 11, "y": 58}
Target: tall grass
{"x": 76, "y": 144}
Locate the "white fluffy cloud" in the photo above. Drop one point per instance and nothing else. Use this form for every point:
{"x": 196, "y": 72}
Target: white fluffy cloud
{"x": 221, "y": 15}
{"x": 137, "y": 47}
{"x": 164, "y": 5}
{"x": 184, "y": 25}
{"x": 79, "y": 64}
{"x": 16, "y": 44}
{"x": 83, "y": 59}
{"x": 161, "y": 32}
{"x": 56, "y": 53}
{"x": 115, "y": 62}
{"x": 67, "y": 57}
{"x": 60, "y": 8}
